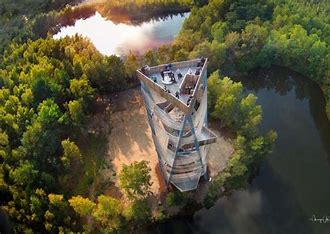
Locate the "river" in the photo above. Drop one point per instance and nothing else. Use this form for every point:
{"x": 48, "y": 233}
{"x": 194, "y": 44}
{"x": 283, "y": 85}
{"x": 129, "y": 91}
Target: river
{"x": 111, "y": 38}
{"x": 293, "y": 183}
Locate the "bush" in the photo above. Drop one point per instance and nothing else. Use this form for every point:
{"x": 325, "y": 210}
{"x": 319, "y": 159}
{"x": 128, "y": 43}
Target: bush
{"x": 176, "y": 198}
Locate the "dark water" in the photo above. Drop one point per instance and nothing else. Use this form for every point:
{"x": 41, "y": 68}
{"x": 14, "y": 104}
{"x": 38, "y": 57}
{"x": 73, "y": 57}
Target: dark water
{"x": 293, "y": 183}
{"x": 5, "y": 225}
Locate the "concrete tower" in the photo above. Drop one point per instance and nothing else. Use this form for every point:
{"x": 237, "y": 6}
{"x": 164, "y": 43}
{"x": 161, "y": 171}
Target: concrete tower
{"x": 175, "y": 97}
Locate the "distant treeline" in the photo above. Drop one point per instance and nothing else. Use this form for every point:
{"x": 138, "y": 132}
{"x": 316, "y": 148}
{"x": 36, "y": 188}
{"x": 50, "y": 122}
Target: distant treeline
{"x": 16, "y": 17}
{"x": 137, "y": 12}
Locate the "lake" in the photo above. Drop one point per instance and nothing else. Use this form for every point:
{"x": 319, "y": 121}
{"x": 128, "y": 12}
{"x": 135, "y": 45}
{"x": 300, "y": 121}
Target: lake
{"x": 111, "y": 38}
{"x": 293, "y": 183}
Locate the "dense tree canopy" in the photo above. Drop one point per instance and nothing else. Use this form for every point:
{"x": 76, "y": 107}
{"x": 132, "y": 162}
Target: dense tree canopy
{"x": 16, "y": 17}
{"x": 47, "y": 88}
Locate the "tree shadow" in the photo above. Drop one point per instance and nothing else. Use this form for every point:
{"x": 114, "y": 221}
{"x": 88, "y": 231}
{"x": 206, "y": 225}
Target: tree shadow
{"x": 130, "y": 131}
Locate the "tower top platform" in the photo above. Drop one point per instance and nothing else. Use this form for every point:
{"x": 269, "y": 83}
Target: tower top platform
{"x": 176, "y": 82}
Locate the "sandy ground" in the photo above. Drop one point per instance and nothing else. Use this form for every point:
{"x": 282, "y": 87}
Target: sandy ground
{"x": 130, "y": 139}
{"x": 219, "y": 152}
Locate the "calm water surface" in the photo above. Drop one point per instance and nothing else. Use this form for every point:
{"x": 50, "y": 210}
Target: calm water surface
{"x": 294, "y": 182}
{"x": 110, "y": 38}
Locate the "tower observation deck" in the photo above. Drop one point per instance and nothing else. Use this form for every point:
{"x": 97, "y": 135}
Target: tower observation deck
{"x": 175, "y": 96}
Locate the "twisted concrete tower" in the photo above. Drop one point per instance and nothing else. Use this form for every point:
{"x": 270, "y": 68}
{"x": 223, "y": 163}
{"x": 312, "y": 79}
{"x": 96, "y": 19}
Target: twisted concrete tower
{"x": 175, "y": 96}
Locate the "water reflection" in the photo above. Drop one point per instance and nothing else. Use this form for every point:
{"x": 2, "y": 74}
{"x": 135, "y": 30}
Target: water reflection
{"x": 110, "y": 38}
{"x": 283, "y": 81}
{"x": 293, "y": 183}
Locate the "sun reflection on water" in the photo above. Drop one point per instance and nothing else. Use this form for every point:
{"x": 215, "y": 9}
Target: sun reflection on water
{"x": 110, "y": 38}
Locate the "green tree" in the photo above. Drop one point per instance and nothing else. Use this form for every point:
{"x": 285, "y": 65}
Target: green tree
{"x": 83, "y": 206}
{"x": 4, "y": 143}
{"x": 81, "y": 88}
{"x": 76, "y": 112}
{"x": 25, "y": 174}
{"x": 225, "y": 96}
{"x": 250, "y": 115}
{"x": 108, "y": 213}
{"x": 150, "y": 58}
{"x": 138, "y": 211}
{"x": 131, "y": 65}
{"x": 71, "y": 153}
{"x": 49, "y": 113}
{"x": 134, "y": 179}
{"x": 175, "y": 198}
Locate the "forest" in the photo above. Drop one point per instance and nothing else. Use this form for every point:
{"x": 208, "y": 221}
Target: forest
{"x": 17, "y": 18}
{"x": 49, "y": 88}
